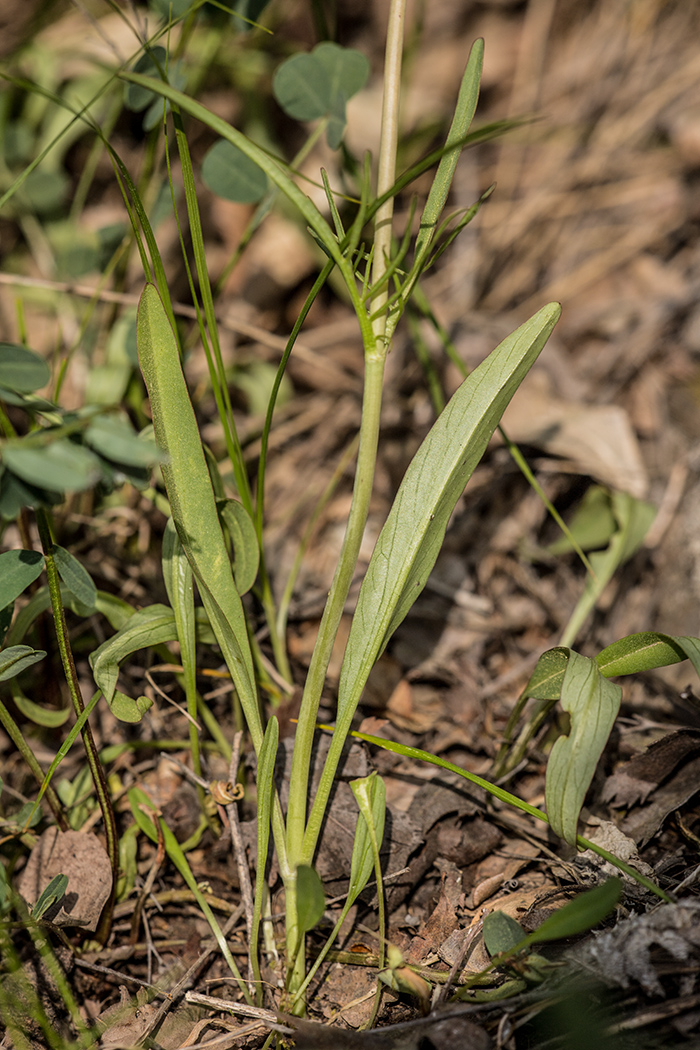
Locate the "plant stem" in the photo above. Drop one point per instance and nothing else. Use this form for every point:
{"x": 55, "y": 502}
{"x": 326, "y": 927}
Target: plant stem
{"x": 98, "y": 776}
{"x": 375, "y": 356}
{"x": 386, "y": 173}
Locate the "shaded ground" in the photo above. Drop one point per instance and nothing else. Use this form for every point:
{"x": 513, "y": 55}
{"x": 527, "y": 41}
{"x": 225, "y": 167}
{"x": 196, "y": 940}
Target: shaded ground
{"x": 596, "y": 205}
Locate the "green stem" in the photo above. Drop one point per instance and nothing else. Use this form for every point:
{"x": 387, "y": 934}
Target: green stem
{"x": 301, "y": 842}
{"x": 98, "y": 776}
{"x": 386, "y": 173}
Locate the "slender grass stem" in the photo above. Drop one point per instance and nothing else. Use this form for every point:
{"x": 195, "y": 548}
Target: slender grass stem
{"x": 98, "y": 776}
{"x": 301, "y": 841}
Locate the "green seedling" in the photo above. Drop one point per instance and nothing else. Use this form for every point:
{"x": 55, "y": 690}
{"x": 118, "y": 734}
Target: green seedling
{"x": 214, "y": 545}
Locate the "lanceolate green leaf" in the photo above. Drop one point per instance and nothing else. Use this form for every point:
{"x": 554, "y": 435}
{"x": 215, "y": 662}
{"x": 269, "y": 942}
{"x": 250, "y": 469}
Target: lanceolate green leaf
{"x": 592, "y": 702}
{"x": 192, "y": 499}
{"x": 581, "y": 914}
{"x": 76, "y": 578}
{"x": 646, "y": 650}
{"x": 463, "y": 116}
{"x": 412, "y": 536}
{"x": 546, "y": 680}
{"x": 371, "y": 792}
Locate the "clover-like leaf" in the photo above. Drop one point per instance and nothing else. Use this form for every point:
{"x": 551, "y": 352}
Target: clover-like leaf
{"x": 230, "y": 174}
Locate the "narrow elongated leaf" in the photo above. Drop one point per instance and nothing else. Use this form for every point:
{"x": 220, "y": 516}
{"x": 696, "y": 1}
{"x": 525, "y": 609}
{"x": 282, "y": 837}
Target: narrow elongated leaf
{"x": 593, "y": 703}
{"x": 18, "y": 569}
{"x": 76, "y": 578}
{"x": 179, "y": 583}
{"x": 276, "y": 173}
{"x": 370, "y": 793}
{"x": 412, "y": 536}
{"x": 463, "y": 116}
{"x": 55, "y": 890}
{"x": 640, "y": 652}
{"x": 580, "y": 915}
{"x": 192, "y": 499}
{"x": 139, "y": 801}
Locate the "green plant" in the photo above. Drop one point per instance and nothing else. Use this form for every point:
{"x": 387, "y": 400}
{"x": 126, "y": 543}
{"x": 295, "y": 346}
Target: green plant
{"x": 218, "y": 544}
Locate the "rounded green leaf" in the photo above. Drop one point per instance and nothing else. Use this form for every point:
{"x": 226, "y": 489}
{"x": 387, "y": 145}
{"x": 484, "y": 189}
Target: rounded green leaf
{"x": 15, "y": 494}
{"x": 311, "y": 900}
{"x": 501, "y": 932}
{"x": 76, "y": 578}
{"x": 114, "y": 438}
{"x": 302, "y": 86}
{"x": 22, "y": 370}
{"x": 347, "y": 68}
{"x": 230, "y": 174}
{"x": 18, "y": 569}
{"x": 137, "y": 98}
{"x": 128, "y": 710}
{"x": 59, "y": 465}
{"x": 44, "y": 191}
